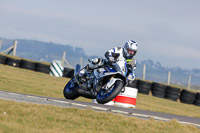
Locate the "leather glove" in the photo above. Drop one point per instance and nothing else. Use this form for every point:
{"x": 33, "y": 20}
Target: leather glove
{"x": 111, "y": 59}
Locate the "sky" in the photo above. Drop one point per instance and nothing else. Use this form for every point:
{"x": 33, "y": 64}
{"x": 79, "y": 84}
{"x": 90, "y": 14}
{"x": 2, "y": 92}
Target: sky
{"x": 167, "y": 31}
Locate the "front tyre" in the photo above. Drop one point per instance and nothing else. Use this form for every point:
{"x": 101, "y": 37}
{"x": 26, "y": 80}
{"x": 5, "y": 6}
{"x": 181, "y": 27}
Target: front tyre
{"x": 105, "y": 96}
{"x": 70, "y": 90}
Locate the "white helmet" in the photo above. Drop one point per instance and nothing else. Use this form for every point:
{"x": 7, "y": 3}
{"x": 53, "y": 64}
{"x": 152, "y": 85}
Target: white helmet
{"x": 130, "y": 49}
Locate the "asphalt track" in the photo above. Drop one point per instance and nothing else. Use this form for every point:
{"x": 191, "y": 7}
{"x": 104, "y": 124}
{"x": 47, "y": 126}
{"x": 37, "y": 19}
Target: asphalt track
{"x": 19, "y": 97}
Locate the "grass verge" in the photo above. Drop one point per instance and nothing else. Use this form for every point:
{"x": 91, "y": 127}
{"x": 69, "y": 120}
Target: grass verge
{"x": 30, "y": 118}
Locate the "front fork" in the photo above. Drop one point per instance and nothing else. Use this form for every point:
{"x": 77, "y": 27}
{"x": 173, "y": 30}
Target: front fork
{"x": 111, "y": 83}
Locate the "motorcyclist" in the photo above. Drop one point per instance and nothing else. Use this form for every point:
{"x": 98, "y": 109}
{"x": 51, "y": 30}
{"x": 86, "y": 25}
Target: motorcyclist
{"x": 127, "y": 52}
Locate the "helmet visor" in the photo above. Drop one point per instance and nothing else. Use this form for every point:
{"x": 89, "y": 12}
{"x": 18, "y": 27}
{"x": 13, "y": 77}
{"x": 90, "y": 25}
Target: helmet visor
{"x": 131, "y": 51}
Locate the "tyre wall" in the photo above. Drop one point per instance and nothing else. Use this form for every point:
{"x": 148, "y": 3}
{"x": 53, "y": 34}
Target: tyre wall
{"x": 187, "y": 97}
{"x": 158, "y": 90}
{"x": 13, "y": 62}
{"x": 68, "y": 72}
{"x": 27, "y": 65}
{"x": 32, "y": 65}
{"x": 144, "y": 87}
{"x": 2, "y": 59}
{"x": 168, "y": 92}
{"x": 197, "y": 99}
{"x": 172, "y": 93}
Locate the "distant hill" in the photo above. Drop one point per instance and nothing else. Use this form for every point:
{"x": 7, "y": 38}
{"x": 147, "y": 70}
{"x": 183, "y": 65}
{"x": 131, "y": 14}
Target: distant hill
{"x": 48, "y": 51}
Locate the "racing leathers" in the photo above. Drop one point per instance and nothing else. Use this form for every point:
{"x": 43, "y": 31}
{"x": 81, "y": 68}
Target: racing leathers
{"x": 131, "y": 62}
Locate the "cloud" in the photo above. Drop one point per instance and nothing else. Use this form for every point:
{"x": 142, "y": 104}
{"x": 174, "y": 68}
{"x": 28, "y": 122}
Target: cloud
{"x": 163, "y": 30}
{"x": 12, "y": 33}
{"x": 173, "y": 50}
{"x": 184, "y": 52}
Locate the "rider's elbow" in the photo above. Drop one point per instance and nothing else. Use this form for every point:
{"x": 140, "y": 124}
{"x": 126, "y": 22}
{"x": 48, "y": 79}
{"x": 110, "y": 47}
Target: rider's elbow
{"x": 107, "y": 54}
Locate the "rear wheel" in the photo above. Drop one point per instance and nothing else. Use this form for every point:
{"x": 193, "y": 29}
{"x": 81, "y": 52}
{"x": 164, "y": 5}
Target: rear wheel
{"x": 106, "y": 95}
{"x": 70, "y": 90}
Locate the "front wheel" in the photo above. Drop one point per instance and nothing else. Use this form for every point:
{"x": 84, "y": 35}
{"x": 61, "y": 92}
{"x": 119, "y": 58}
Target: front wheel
{"x": 70, "y": 90}
{"x": 105, "y": 96}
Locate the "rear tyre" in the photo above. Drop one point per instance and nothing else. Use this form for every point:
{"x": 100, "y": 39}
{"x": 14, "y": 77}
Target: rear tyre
{"x": 70, "y": 90}
{"x": 105, "y": 96}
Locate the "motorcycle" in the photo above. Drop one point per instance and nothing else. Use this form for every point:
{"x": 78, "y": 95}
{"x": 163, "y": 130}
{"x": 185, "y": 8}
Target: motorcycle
{"x": 102, "y": 83}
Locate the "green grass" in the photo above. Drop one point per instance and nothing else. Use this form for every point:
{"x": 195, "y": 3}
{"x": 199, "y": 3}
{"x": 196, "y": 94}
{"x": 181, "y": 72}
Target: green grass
{"x": 155, "y": 104}
{"x": 30, "y": 82}
{"x": 35, "y": 118}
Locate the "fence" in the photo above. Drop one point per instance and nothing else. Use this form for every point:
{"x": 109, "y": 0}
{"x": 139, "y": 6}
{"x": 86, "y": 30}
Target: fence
{"x": 168, "y": 77}
{"x": 11, "y": 49}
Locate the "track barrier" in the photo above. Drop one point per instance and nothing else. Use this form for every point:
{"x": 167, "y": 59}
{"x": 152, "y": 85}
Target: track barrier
{"x": 158, "y": 90}
{"x": 56, "y": 69}
{"x": 68, "y": 72}
{"x": 127, "y": 98}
